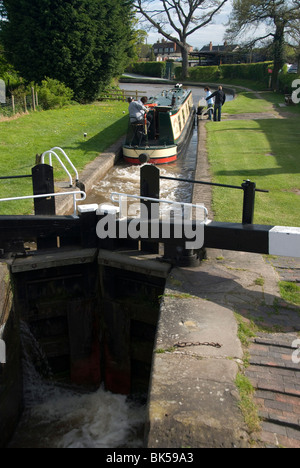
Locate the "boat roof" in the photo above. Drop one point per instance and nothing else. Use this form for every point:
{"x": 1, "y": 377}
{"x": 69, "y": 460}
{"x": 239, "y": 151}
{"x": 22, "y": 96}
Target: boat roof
{"x": 166, "y": 97}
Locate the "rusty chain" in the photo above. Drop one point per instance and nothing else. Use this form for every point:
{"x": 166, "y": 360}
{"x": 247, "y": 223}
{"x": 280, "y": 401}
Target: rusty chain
{"x": 185, "y": 344}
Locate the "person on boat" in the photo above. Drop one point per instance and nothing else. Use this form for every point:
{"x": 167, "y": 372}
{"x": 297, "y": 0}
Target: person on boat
{"x": 220, "y": 98}
{"x": 138, "y": 110}
{"x": 210, "y": 102}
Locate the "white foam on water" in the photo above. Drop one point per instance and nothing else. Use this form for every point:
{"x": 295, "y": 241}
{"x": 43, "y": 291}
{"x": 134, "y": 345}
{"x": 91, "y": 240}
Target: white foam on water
{"x": 58, "y": 417}
{"x": 106, "y": 421}
{"x": 127, "y": 180}
{"x": 96, "y": 420}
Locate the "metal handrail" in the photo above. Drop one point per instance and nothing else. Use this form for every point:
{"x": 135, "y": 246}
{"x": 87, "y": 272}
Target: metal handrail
{"x": 52, "y": 152}
{"x": 157, "y": 200}
{"x": 68, "y": 159}
{"x": 28, "y": 176}
{"x": 191, "y": 181}
{"x": 48, "y": 195}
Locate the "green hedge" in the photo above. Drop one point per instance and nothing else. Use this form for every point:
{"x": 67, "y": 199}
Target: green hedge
{"x": 251, "y": 71}
{"x": 215, "y": 73}
{"x": 285, "y": 81}
{"x": 178, "y": 72}
{"x": 156, "y": 69}
{"x": 247, "y": 71}
{"x": 203, "y": 74}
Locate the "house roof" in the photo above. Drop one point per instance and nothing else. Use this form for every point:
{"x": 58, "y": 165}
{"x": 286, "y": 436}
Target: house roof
{"x": 166, "y": 45}
{"x": 220, "y": 48}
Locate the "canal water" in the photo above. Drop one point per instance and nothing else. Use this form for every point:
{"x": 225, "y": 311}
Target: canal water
{"x": 125, "y": 178}
{"x": 56, "y": 416}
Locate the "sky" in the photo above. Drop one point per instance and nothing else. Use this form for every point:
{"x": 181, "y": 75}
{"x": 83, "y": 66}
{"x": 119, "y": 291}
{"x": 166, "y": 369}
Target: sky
{"x": 213, "y": 32}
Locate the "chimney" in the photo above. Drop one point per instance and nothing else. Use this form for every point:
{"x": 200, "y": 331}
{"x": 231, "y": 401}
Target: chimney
{"x": 210, "y": 46}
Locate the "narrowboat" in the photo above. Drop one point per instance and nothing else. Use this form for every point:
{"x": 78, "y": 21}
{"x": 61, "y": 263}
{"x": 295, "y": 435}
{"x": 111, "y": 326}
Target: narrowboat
{"x": 172, "y": 117}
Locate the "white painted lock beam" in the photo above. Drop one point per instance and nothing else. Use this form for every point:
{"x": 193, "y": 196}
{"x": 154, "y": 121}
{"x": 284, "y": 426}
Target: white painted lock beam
{"x": 284, "y": 241}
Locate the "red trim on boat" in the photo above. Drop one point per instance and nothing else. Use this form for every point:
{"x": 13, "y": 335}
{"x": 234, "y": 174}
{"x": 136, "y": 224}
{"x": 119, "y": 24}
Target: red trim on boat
{"x": 152, "y": 160}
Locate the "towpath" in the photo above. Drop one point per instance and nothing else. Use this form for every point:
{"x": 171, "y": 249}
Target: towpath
{"x": 272, "y": 372}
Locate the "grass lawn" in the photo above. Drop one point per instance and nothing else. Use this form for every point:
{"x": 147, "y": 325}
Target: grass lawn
{"x": 264, "y": 151}
{"x": 238, "y": 82}
{"x": 21, "y": 139}
{"x": 290, "y": 292}
{"x": 247, "y": 102}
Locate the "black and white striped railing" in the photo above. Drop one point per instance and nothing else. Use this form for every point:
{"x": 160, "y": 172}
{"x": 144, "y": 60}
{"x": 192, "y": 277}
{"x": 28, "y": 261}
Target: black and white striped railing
{"x": 261, "y": 239}
{"x": 270, "y": 240}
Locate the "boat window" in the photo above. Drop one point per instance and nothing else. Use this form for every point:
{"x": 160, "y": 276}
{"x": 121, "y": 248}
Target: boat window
{"x": 179, "y": 121}
{"x": 183, "y": 115}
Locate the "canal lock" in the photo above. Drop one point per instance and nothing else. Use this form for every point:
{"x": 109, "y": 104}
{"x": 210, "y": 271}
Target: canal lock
{"x": 94, "y": 318}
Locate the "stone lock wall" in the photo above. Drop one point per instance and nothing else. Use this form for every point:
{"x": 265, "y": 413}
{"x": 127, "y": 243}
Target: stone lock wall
{"x": 11, "y": 399}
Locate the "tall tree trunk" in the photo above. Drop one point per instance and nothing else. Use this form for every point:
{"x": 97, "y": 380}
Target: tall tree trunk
{"x": 185, "y": 61}
{"x": 278, "y": 45}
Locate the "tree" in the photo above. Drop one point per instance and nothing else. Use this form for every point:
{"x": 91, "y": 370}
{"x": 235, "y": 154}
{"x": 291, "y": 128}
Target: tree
{"x": 4, "y": 65}
{"x": 184, "y": 17}
{"x": 82, "y": 43}
{"x": 141, "y": 46}
{"x": 281, "y": 21}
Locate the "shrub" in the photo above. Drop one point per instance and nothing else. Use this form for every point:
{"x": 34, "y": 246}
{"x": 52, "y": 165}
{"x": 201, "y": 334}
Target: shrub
{"x": 178, "y": 72}
{"x": 285, "y": 81}
{"x": 203, "y": 74}
{"x": 12, "y": 80}
{"x": 53, "y": 93}
{"x": 156, "y": 69}
{"x": 247, "y": 71}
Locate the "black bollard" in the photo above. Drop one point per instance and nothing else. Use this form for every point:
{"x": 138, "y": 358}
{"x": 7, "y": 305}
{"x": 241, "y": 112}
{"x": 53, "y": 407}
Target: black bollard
{"x": 42, "y": 184}
{"x": 249, "y": 201}
{"x": 150, "y": 188}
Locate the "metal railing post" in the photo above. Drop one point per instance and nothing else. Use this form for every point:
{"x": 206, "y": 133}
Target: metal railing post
{"x": 249, "y": 201}
{"x": 42, "y": 184}
{"x": 150, "y": 187}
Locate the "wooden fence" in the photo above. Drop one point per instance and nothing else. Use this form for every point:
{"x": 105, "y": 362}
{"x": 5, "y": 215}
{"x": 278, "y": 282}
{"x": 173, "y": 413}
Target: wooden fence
{"x": 120, "y": 95}
{"x": 22, "y": 104}
{"x": 19, "y": 104}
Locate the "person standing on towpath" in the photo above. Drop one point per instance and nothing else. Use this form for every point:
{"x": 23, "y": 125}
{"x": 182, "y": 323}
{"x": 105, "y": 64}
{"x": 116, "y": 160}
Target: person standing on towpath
{"x": 220, "y": 98}
{"x": 210, "y": 102}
